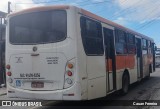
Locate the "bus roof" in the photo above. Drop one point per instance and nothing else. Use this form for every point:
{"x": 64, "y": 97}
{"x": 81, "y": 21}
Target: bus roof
{"x": 40, "y": 8}
{"x": 84, "y": 12}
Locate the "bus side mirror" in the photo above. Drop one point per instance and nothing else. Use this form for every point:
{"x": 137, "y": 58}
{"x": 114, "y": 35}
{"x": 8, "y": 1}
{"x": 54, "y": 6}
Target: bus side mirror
{"x": 155, "y": 48}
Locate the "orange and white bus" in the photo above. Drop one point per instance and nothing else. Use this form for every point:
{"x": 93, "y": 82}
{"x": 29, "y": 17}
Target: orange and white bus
{"x": 67, "y": 53}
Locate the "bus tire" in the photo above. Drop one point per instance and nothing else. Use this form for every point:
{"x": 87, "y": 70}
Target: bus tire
{"x": 125, "y": 84}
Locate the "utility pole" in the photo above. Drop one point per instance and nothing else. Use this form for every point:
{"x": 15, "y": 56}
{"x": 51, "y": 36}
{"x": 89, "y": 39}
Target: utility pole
{"x": 9, "y": 7}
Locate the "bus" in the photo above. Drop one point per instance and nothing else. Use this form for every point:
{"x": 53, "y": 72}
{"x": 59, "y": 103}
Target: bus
{"x": 64, "y": 52}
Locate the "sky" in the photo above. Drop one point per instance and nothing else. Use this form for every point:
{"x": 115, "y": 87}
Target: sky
{"x": 142, "y": 16}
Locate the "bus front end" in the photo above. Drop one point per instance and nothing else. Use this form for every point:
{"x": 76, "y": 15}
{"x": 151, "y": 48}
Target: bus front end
{"x": 41, "y": 54}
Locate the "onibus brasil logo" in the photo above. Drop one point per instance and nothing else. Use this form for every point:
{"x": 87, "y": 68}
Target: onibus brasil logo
{"x": 21, "y": 103}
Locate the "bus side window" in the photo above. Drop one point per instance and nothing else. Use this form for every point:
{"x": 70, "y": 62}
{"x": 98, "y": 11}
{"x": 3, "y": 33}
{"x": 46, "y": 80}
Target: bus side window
{"x": 144, "y": 43}
{"x": 149, "y": 47}
{"x": 121, "y": 47}
{"x": 108, "y": 35}
{"x": 131, "y": 48}
{"x": 91, "y": 32}
{"x": 145, "y": 46}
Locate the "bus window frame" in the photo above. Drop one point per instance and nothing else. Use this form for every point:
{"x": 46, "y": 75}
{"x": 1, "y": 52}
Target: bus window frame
{"x": 83, "y": 35}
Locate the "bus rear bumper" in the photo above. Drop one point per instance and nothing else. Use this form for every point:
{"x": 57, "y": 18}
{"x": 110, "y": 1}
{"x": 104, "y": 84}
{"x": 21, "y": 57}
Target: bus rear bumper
{"x": 72, "y": 93}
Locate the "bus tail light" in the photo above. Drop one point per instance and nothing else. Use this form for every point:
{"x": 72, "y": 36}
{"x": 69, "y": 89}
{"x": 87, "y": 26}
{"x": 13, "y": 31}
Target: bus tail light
{"x": 9, "y": 73}
{"x": 8, "y": 66}
{"x": 70, "y": 65}
{"x": 69, "y": 73}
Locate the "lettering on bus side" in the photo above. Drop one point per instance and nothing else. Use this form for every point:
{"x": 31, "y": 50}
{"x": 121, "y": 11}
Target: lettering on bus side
{"x": 52, "y": 60}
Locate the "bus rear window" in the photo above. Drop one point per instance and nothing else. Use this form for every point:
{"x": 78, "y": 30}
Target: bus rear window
{"x": 38, "y": 27}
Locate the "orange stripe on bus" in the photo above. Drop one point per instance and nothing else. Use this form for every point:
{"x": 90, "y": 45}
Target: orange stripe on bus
{"x": 130, "y": 61}
{"x": 122, "y": 62}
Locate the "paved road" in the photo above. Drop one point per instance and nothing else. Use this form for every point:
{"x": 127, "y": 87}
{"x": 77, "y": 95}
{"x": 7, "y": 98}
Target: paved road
{"x": 148, "y": 89}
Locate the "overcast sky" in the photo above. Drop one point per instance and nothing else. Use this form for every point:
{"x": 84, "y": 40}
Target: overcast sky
{"x": 140, "y": 15}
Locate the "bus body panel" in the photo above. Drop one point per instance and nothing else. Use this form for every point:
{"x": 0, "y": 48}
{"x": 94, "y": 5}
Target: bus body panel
{"x": 95, "y": 68}
{"x": 30, "y": 69}
{"x": 96, "y": 75}
{"x": 49, "y": 64}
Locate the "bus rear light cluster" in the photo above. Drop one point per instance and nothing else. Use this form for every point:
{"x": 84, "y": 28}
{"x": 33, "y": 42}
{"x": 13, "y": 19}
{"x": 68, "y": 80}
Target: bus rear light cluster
{"x": 9, "y": 73}
{"x": 69, "y": 73}
{"x": 70, "y": 65}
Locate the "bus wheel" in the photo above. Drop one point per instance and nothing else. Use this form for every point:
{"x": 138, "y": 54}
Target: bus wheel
{"x": 125, "y": 84}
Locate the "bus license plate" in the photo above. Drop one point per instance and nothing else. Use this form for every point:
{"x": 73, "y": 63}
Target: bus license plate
{"x": 37, "y": 84}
